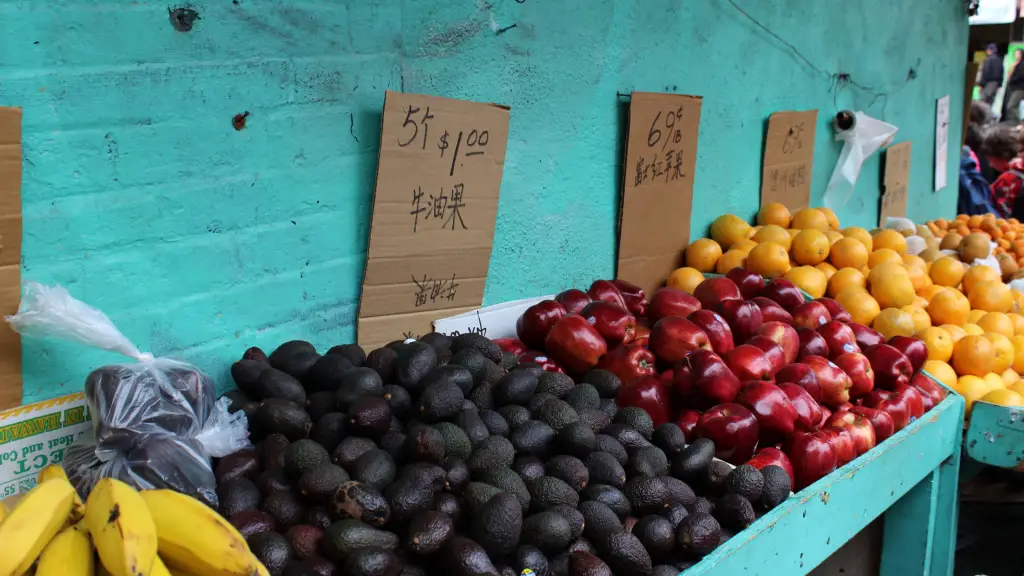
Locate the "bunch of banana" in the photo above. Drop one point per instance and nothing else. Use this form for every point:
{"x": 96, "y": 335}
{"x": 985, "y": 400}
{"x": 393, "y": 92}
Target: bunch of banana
{"x": 118, "y": 531}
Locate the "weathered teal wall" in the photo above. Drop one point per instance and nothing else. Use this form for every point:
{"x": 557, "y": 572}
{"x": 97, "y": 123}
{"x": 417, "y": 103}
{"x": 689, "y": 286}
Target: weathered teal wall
{"x": 199, "y": 240}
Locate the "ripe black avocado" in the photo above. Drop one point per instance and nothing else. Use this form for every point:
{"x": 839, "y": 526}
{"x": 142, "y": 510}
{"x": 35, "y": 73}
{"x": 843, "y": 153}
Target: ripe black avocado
{"x": 498, "y": 524}
{"x": 429, "y": 530}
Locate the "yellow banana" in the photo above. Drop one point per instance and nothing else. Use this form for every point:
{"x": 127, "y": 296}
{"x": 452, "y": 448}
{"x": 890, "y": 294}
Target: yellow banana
{"x": 57, "y": 471}
{"x": 37, "y": 518}
{"x": 159, "y": 568}
{"x": 122, "y": 529}
{"x": 68, "y": 554}
{"x": 3, "y": 511}
{"x": 194, "y": 538}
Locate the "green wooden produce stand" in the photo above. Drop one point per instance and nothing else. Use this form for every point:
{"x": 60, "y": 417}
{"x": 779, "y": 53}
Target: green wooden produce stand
{"x": 995, "y": 437}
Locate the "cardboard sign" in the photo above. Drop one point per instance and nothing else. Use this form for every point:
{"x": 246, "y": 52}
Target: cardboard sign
{"x": 438, "y": 180}
{"x": 497, "y": 321}
{"x": 10, "y": 254}
{"x": 35, "y": 436}
{"x": 897, "y": 176}
{"x": 941, "y": 141}
{"x": 789, "y": 159}
{"x": 661, "y": 157}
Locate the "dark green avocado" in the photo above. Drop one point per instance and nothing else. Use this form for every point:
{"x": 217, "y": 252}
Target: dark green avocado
{"x": 777, "y": 486}
{"x": 344, "y": 537}
{"x": 498, "y": 524}
{"x": 361, "y": 502}
{"x": 302, "y": 456}
{"x": 429, "y": 530}
{"x": 746, "y": 481}
{"x": 372, "y": 562}
{"x": 637, "y": 419}
{"x": 698, "y": 534}
{"x": 464, "y": 557}
{"x": 321, "y": 483}
{"x": 549, "y": 531}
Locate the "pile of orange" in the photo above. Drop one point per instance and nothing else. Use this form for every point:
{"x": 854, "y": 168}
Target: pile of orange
{"x": 967, "y": 316}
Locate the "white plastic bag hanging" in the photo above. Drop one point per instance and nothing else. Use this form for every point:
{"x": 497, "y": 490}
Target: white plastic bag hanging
{"x": 861, "y": 141}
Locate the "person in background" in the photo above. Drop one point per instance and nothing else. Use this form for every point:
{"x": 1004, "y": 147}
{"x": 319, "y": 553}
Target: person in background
{"x": 1000, "y": 145}
{"x": 1006, "y": 187}
{"x": 991, "y": 75}
{"x": 1014, "y": 90}
{"x": 975, "y": 194}
{"x": 978, "y": 120}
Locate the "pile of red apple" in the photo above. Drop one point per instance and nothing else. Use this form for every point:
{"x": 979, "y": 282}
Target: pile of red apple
{"x": 770, "y": 377}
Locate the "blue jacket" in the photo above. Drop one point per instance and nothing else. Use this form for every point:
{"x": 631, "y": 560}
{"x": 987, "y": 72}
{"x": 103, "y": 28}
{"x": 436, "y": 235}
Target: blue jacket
{"x": 975, "y": 193}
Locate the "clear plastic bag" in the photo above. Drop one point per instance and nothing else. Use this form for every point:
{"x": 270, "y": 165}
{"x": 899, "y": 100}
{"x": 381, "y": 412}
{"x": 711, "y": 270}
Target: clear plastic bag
{"x": 156, "y": 423}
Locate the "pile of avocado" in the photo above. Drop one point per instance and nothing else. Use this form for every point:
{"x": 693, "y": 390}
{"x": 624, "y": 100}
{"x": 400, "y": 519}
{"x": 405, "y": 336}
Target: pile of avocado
{"x": 447, "y": 456}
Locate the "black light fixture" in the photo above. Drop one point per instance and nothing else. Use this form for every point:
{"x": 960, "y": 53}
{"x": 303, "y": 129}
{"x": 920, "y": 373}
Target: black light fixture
{"x": 971, "y": 7}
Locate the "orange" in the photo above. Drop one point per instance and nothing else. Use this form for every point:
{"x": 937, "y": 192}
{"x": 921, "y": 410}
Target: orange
{"x": 773, "y": 233}
{"x": 978, "y": 274}
{"x": 809, "y": 219}
{"x": 974, "y": 355}
{"x": 947, "y": 271}
{"x": 938, "y": 341}
{"x": 972, "y": 388}
{"x": 882, "y": 256}
{"x": 828, "y": 269}
{"x": 1003, "y": 398}
{"x": 830, "y": 217}
{"x": 949, "y": 307}
{"x": 1010, "y": 376}
{"x": 891, "y": 285}
{"x": 863, "y": 308}
{"x": 997, "y": 322}
{"x": 1018, "y": 323}
{"x": 810, "y": 247}
{"x": 994, "y": 381}
{"x": 848, "y": 253}
{"x": 731, "y": 259}
{"x": 1018, "y": 353}
{"x": 833, "y": 236}
{"x": 745, "y": 245}
{"x": 942, "y": 372}
{"x": 845, "y": 277}
{"x": 889, "y": 239}
{"x": 728, "y": 229}
{"x": 792, "y": 232}
{"x": 1017, "y": 387}
{"x": 972, "y": 329}
{"x": 974, "y": 315}
{"x": 992, "y": 296}
{"x": 1004, "y": 353}
{"x": 686, "y": 279}
{"x": 769, "y": 259}
{"x": 917, "y": 269}
{"x": 702, "y": 254}
{"x": 893, "y": 322}
{"x": 774, "y": 213}
{"x": 955, "y": 332}
{"x": 928, "y": 291}
{"x": 809, "y": 279}
{"x": 921, "y": 318}
{"x": 860, "y": 234}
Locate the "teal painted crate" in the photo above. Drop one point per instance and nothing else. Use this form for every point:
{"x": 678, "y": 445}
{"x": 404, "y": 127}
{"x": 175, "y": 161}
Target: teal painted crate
{"x": 995, "y": 436}
{"x": 911, "y": 477}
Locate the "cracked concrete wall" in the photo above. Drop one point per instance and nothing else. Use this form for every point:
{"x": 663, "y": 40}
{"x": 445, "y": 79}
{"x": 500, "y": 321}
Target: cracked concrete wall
{"x": 200, "y": 240}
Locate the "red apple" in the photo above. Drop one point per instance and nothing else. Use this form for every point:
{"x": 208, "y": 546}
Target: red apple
{"x": 714, "y": 291}
{"x": 575, "y": 344}
{"x": 892, "y": 404}
{"x": 616, "y": 325}
{"x": 772, "y": 456}
{"x": 605, "y": 290}
{"x": 573, "y": 300}
{"x": 837, "y": 312}
{"x": 835, "y": 384}
{"x": 811, "y": 344}
{"x": 811, "y": 315}
{"x": 749, "y": 283}
{"x": 636, "y": 299}
{"x": 866, "y": 337}
{"x": 535, "y": 323}
{"x": 913, "y": 348}
{"x": 839, "y": 337}
{"x": 845, "y": 407}
{"x": 718, "y": 389}
{"x": 803, "y": 376}
{"x": 643, "y": 335}
{"x": 881, "y": 421}
{"x": 912, "y": 396}
{"x": 858, "y": 368}
{"x": 812, "y": 456}
{"x": 784, "y": 292}
{"x": 785, "y": 336}
{"x": 541, "y": 359}
{"x": 749, "y": 363}
{"x": 772, "y": 350}
{"x": 628, "y": 362}
{"x": 716, "y": 328}
{"x": 512, "y": 346}
{"x": 687, "y": 422}
{"x": 744, "y": 318}
{"x": 842, "y": 443}
{"x": 733, "y": 429}
{"x": 825, "y": 415}
{"x": 771, "y": 311}
{"x": 699, "y": 364}
{"x": 670, "y": 302}
{"x": 891, "y": 367}
{"x": 672, "y": 338}
{"x": 776, "y": 416}
{"x": 860, "y": 428}
{"x": 931, "y": 393}
{"x": 647, "y": 393}
{"x": 808, "y": 411}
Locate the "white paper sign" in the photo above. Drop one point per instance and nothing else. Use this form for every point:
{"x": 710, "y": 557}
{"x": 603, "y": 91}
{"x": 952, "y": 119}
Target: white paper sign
{"x": 498, "y": 321}
{"x": 941, "y": 141}
{"x": 33, "y": 437}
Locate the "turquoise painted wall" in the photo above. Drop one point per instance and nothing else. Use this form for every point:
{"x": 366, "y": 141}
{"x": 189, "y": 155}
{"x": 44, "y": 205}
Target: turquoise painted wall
{"x": 199, "y": 240}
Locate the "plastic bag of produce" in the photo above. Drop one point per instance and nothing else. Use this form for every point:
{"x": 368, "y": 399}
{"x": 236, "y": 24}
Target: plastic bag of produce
{"x": 156, "y": 423}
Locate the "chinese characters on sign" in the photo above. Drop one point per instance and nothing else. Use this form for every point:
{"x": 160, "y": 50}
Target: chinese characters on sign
{"x": 897, "y": 179}
{"x": 789, "y": 159}
{"x": 436, "y": 198}
{"x": 661, "y": 151}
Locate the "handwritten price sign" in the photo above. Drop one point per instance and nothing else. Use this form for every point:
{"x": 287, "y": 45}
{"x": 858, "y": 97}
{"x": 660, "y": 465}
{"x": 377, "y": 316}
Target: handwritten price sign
{"x": 438, "y": 181}
{"x": 789, "y": 159}
{"x": 897, "y": 179}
